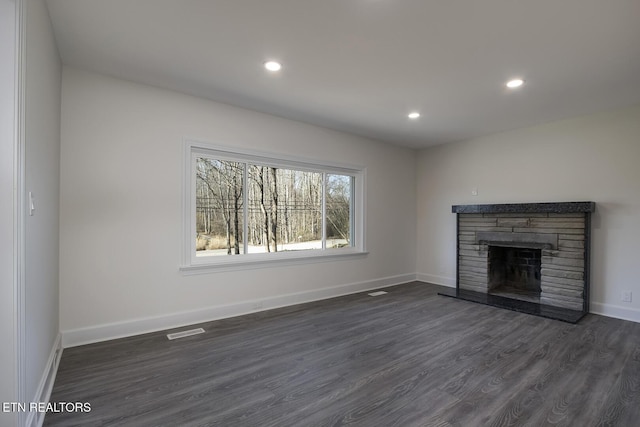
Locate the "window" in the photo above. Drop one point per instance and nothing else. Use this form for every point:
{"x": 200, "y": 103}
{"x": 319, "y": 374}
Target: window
{"x": 243, "y": 207}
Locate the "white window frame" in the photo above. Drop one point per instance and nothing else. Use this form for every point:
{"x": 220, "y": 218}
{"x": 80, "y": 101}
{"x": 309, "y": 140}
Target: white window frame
{"x": 190, "y": 264}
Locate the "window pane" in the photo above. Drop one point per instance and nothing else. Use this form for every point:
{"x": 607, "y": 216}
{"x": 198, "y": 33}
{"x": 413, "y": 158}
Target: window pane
{"x": 219, "y": 210}
{"x": 284, "y": 209}
{"x": 338, "y": 210}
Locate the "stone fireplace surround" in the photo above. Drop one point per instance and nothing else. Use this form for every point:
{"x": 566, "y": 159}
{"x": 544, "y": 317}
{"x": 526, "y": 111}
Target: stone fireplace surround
{"x": 560, "y": 231}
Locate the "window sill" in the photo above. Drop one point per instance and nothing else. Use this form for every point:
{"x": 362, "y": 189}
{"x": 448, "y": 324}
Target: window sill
{"x": 250, "y": 262}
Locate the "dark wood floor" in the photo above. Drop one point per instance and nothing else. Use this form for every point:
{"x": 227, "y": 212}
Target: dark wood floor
{"x": 408, "y": 358}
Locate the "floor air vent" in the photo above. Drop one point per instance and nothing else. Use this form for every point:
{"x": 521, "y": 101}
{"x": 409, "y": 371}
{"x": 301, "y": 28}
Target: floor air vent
{"x": 377, "y": 293}
{"x": 185, "y": 333}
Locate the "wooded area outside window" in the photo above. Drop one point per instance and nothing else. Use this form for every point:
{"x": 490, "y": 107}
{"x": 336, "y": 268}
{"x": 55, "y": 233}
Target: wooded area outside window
{"x": 245, "y": 207}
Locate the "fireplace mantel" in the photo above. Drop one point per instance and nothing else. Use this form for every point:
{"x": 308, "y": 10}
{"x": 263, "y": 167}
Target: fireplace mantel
{"x": 560, "y": 231}
{"x": 547, "y": 207}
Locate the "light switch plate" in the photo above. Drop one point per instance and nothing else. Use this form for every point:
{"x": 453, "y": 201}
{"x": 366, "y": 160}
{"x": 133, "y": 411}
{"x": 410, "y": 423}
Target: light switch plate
{"x": 32, "y": 205}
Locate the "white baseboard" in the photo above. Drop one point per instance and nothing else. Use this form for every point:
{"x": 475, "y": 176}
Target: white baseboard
{"x": 609, "y": 310}
{"x": 436, "y": 280}
{"x": 76, "y": 337}
{"x": 43, "y": 393}
{"x": 105, "y": 332}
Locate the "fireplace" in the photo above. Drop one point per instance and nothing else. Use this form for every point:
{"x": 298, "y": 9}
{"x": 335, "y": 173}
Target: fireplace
{"x": 514, "y": 272}
{"x": 531, "y": 257}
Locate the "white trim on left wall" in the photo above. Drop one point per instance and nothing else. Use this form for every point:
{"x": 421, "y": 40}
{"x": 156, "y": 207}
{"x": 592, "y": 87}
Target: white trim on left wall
{"x": 43, "y": 393}
{"x": 19, "y": 236}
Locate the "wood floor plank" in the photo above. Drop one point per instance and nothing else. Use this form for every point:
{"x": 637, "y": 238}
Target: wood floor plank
{"x": 566, "y": 394}
{"x": 622, "y": 405}
{"x": 407, "y": 358}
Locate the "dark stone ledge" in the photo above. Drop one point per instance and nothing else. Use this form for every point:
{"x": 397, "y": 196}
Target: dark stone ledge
{"x": 548, "y": 311}
{"x": 559, "y": 207}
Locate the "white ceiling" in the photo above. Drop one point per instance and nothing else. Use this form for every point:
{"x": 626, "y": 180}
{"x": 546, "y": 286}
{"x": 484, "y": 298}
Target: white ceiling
{"x": 361, "y": 65}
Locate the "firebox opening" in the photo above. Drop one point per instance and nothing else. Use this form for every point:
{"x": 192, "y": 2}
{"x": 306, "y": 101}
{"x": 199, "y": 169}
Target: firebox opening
{"x": 514, "y": 272}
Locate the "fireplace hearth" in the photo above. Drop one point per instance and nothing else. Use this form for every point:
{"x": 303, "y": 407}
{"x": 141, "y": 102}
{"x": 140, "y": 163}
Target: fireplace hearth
{"x": 530, "y": 257}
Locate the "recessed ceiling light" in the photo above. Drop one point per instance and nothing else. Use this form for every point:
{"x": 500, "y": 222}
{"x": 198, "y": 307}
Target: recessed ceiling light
{"x": 272, "y": 66}
{"x": 512, "y": 84}
{"x": 413, "y": 115}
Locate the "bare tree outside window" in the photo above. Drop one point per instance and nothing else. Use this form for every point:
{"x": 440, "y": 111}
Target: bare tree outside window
{"x": 338, "y": 210}
{"x": 283, "y": 212}
{"x": 219, "y": 206}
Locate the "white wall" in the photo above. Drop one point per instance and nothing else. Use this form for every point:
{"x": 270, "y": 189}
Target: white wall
{"x": 592, "y": 158}
{"x": 42, "y": 177}
{"x": 121, "y": 192}
{"x": 30, "y": 266}
{"x": 8, "y": 326}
